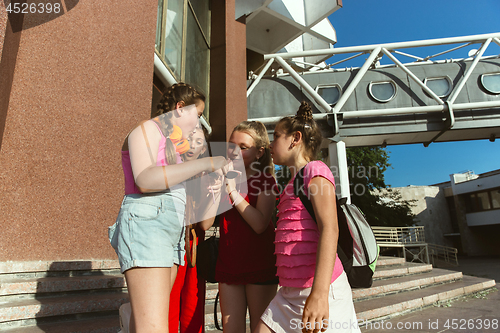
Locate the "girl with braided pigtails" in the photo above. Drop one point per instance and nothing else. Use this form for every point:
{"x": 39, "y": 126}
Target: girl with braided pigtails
{"x": 315, "y": 294}
{"x": 148, "y": 234}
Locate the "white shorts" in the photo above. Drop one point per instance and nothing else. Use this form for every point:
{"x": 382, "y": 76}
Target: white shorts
{"x": 284, "y": 313}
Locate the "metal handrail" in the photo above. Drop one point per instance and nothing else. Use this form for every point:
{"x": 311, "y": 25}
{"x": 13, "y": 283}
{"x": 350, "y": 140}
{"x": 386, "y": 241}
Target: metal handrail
{"x": 399, "y": 235}
{"x": 444, "y": 253}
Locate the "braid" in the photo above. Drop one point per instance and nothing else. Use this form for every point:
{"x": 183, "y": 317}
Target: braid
{"x": 176, "y": 93}
{"x": 179, "y": 92}
{"x": 304, "y": 114}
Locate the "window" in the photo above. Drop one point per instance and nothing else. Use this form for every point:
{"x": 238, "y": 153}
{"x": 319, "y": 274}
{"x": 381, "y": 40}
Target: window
{"x": 481, "y": 201}
{"x": 330, "y": 93}
{"x": 183, "y": 41}
{"x": 491, "y": 82}
{"x": 495, "y": 198}
{"x": 441, "y": 86}
{"x": 382, "y": 91}
{"x": 484, "y": 201}
{"x": 172, "y": 36}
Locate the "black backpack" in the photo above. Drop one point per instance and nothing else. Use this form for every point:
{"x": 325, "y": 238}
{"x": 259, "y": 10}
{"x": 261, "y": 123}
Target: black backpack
{"x": 357, "y": 247}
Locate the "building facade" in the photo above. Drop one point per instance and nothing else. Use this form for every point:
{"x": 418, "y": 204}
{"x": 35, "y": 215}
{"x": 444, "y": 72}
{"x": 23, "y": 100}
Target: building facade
{"x": 77, "y": 78}
{"x": 463, "y": 213}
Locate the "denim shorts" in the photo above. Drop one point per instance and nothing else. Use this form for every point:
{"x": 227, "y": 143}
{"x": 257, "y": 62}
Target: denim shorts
{"x": 149, "y": 230}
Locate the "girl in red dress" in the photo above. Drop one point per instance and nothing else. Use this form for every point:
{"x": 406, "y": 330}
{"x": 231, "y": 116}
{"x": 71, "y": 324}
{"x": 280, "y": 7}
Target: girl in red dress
{"x": 246, "y": 268}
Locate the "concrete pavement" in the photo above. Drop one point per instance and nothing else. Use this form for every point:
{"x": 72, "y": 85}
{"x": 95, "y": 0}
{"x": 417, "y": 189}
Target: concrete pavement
{"x": 474, "y": 313}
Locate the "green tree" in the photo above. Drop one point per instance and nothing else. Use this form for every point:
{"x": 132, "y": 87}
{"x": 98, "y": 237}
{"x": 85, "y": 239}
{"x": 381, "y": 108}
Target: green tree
{"x": 366, "y": 176}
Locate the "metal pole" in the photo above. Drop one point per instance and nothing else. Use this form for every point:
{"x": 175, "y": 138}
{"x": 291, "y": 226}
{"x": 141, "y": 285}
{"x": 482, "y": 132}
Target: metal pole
{"x": 419, "y": 109}
{"x": 399, "y": 45}
{"x": 261, "y": 74}
{"x": 356, "y": 80}
{"x": 464, "y": 79}
{"x": 409, "y": 55}
{"x": 413, "y": 76}
{"x": 391, "y": 112}
{"x": 343, "y": 60}
{"x": 273, "y": 120}
{"x": 441, "y": 53}
{"x": 326, "y": 107}
{"x": 338, "y": 164}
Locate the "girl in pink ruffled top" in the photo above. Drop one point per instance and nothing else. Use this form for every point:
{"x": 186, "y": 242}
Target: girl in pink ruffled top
{"x": 315, "y": 294}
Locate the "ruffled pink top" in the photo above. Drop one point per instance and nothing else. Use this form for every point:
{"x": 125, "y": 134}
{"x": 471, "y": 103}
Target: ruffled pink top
{"x": 297, "y": 235}
{"x": 161, "y": 160}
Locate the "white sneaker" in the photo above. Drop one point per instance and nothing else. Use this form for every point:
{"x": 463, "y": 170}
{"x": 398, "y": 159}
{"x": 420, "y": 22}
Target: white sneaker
{"x": 125, "y": 313}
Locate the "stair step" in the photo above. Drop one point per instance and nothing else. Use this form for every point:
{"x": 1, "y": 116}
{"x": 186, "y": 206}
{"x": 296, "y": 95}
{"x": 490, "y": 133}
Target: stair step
{"x": 56, "y": 306}
{"x": 14, "y": 286}
{"x": 393, "y": 285}
{"x": 106, "y": 324}
{"x": 388, "y": 305}
{"x": 9, "y": 267}
{"x": 400, "y": 270}
{"x": 388, "y": 261}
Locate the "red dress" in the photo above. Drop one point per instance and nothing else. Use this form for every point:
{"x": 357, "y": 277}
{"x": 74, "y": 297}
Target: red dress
{"x": 246, "y": 257}
{"x": 187, "y": 299}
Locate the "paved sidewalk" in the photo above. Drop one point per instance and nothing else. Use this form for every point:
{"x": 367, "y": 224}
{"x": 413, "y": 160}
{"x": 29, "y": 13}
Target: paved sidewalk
{"x": 475, "y": 313}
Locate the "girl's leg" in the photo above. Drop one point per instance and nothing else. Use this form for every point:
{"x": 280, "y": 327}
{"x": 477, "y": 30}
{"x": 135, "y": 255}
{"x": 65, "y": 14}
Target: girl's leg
{"x": 258, "y": 298}
{"x": 149, "y": 292}
{"x": 262, "y": 328}
{"x": 233, "y": 305}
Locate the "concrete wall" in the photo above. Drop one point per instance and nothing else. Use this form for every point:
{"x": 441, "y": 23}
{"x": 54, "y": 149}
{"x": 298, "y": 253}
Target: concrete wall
{"x": 72, "y": 86}
{"x": 431, "y": 212}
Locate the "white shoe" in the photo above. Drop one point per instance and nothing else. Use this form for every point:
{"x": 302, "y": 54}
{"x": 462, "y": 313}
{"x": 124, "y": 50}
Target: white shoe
{"x": 125, "y": 313}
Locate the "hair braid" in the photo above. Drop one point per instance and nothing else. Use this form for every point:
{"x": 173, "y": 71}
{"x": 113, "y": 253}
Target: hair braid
{"x": 176, "y": 93}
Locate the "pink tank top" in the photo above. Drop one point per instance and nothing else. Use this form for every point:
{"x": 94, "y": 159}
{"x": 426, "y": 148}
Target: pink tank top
{"x": 297, "y": 235}
{"x": 161, "y": 160}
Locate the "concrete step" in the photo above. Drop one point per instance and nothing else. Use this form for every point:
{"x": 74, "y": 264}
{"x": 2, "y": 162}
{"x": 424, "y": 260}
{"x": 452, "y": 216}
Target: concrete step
{"x": 405, "y": 283}
{"x": 104, "y": 324}
{"x": 405, "y": 268}
{"x": 18, "y": 285}
{"x": 405, "y": 301}
{"x": 388, "y": 261}
{"x": 10, "y": 267}
{"x": 29, "y": 308}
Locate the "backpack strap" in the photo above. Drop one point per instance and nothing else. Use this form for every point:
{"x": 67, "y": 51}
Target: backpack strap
{"x": 300, "y": 191}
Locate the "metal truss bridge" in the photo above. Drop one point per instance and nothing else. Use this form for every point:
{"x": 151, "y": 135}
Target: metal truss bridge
{"x": 427, "y": 100}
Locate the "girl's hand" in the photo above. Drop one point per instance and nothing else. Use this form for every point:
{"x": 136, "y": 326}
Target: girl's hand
{"x": 230, "y": 182}
{"x": 214, "y": 187}
{"x": 215, "y": 163}
{"x": 316, "y": 314}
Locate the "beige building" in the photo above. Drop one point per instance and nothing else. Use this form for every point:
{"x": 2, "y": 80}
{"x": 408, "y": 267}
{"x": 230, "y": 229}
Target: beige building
{"x": 463, "y": 213}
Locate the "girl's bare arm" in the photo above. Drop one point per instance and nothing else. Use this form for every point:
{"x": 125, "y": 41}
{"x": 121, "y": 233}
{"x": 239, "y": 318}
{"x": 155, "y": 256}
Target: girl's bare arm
{"x": 322, "y": 194}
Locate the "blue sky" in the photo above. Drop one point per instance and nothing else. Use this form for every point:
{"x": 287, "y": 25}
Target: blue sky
{"x": 362, "y": 22}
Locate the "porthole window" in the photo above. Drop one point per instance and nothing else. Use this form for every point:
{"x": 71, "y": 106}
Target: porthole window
{"x": 491, "y": 82}
{"x": 330, "y": 93}
{"x": 382, "y": 91}
{"x": 441, "y": 86}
